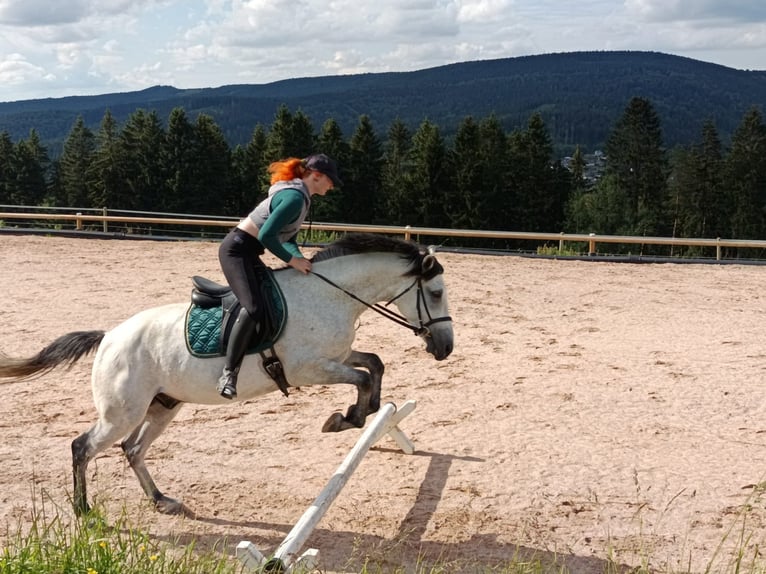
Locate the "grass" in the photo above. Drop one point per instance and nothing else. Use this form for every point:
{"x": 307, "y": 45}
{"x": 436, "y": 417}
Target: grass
{"x": 553, "y": 251}
{"x": 63, "y": 545}
{"x": 55, "y": 542}
{"x": 316, "y": 236}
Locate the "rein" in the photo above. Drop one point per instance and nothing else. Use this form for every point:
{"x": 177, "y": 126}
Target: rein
{"x": 421, "y": 330}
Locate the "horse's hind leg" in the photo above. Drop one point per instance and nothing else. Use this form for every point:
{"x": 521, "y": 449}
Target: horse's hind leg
{"x": 157, "y": 418}
{"x": 84, "y": 448}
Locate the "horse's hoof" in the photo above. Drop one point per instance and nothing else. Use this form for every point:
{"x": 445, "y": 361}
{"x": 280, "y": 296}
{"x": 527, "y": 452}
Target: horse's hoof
{"x": 337, "y": 422}
{"x": 334, "y": 423}
{"x": 82, "y": 510}
{"x": 167, "y": 505}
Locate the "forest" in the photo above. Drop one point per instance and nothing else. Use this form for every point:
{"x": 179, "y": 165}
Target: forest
{"x": 484, "y": 177}
{"x": 579, "y": 96}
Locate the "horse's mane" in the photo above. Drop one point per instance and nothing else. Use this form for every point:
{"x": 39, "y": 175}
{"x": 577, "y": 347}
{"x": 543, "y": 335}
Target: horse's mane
{"x": 357, "y": 243}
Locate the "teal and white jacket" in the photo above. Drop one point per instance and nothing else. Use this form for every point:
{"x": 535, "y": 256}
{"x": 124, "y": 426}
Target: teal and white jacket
{"x": 279, "y": 217}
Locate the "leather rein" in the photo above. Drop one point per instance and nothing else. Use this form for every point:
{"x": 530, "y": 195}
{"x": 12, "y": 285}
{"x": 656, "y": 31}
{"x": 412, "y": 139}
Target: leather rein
{"x": 421, "y": 330}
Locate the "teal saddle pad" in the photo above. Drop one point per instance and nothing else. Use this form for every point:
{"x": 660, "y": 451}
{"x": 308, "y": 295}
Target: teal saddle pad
{"x": 203, "y": 326}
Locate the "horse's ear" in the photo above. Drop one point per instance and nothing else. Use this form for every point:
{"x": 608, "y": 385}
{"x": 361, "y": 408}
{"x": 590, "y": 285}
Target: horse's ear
{"x": 430, "y": 267}
{"x": 432, "y": 249}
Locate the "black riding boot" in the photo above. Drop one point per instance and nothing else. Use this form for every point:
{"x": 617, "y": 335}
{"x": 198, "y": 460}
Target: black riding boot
{"x": 239, "y": 340}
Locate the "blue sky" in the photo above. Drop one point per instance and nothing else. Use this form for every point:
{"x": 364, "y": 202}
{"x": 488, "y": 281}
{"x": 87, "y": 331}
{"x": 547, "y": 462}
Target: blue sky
{"x": 51, "y": 48}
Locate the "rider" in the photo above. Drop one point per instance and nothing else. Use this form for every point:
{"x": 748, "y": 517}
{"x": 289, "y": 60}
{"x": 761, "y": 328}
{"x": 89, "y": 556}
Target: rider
{"x": 273, "y": 225}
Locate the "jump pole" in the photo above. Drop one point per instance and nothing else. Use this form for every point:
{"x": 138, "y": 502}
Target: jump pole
{"x": 284, "y": 558}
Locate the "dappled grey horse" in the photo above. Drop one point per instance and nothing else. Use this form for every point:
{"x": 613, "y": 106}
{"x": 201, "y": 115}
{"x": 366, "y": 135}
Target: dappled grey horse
{"x": 143, "y": 371}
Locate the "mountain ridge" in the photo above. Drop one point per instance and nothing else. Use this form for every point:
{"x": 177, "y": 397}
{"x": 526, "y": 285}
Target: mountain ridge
{"x": 579, "y": 95}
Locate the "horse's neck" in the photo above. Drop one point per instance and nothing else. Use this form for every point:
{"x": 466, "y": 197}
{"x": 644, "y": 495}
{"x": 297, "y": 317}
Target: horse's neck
{"x": 372, "y": 277}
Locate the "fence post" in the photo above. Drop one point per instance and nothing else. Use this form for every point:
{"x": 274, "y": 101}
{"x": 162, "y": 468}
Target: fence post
{"x": 717, "y": 248}
{"x": 561, "y": 244}
{"x": 591, "y": 245}
{"x": 407, "y": 232}
{"x": 106, "y": 225}
{"x": 78, "y": 221}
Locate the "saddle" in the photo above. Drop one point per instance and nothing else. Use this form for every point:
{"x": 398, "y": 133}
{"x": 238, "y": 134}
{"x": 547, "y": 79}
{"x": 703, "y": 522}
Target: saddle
{"x": 214, "y": 309}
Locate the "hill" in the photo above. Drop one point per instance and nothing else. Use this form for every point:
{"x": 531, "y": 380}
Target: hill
{"x": 580, "y": 95}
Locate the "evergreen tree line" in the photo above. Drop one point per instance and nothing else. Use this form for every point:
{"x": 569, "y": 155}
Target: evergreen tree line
{"x": 483, "y": 179}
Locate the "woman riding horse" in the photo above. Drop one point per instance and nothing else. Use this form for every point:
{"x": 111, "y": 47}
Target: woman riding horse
{"x": 274, "y": 225}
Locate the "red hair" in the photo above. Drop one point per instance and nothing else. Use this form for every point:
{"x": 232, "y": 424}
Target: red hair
{"x": 287, "y": 169}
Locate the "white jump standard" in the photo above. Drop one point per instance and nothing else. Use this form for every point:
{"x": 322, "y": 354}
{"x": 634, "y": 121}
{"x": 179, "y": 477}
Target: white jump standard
{"x": 284, "y": 558}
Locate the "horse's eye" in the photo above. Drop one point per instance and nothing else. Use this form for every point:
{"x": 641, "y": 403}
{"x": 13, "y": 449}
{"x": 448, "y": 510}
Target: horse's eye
{"x": 437, "y": 294}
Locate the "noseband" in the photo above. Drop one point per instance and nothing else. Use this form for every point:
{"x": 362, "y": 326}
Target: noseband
{"x": 422, "y": 329}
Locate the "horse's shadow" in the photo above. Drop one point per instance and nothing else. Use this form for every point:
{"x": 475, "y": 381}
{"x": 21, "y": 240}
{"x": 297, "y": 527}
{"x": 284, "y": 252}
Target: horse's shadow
{"x": 346, "y": 551}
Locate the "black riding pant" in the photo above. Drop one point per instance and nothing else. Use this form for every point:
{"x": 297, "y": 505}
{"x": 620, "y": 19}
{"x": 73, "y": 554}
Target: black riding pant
{"x": 239, "y": 255}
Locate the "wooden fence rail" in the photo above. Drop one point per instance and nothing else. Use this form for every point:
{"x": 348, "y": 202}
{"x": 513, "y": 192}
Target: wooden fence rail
{"x": 591, "y": 239}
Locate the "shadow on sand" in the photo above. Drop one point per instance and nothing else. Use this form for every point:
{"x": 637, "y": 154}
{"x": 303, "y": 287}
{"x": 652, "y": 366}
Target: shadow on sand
{"x": 345, "y": 551}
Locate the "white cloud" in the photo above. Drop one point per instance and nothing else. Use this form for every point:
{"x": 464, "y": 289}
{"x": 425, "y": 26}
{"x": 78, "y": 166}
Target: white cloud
{"x": 483, "y": 11}
{"x": 711, "y": 11}
{"x": 102, "y": 45}
{"x": 34, "y": 13}
{"x": 15, "y": 69}
{"x": 41, "y": 12}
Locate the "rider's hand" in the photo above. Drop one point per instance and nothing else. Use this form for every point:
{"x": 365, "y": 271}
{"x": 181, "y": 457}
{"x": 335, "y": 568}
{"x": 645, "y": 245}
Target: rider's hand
{"x": 301, "y": 264}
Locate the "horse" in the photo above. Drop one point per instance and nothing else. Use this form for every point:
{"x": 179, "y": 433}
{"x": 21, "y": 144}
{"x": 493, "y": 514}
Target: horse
{"x": 143, "y": 371}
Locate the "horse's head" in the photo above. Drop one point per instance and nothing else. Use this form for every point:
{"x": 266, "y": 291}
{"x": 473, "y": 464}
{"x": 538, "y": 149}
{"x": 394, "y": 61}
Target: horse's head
{"x": 419, "y": 292}
{"x": 426, "y": 306}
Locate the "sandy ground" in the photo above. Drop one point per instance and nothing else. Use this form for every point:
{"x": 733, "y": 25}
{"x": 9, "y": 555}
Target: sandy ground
{"x": 591, "y": 413}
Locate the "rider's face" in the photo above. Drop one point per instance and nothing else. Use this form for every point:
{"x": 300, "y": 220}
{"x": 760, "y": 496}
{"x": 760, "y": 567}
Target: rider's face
{"x": 320, "y": 183}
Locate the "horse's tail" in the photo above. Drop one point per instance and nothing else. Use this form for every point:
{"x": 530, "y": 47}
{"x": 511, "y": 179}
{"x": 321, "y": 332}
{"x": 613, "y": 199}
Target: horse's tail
{"x": 65, "y": 350}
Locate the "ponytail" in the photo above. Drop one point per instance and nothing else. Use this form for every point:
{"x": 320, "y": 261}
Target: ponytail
{"x": 287, "y": 169}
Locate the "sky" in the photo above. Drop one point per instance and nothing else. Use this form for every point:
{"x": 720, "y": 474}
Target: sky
{"x": 57, "y": 48}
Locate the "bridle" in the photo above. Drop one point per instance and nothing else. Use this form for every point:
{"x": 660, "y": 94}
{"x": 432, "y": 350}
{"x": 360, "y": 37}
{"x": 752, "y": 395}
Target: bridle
{"x": 421, "y": 330}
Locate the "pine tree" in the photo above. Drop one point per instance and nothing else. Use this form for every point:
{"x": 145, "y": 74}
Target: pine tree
{"x": 398, "y": 203}
{"x": 250, "y": 170}
{"x": 74, "y": 166}
{"x": 109, "y": 186}
{"x": 636, "y": 159}
{"x": 7, "y": 167}
{"x": 179, "y": 162}
{"x": 468, "y": 166}
{"x": 696, "y": 189}
{"x": 331, "y": 207}
{"x": 362, "y": 187}
{"x": 303, "y": 138}
{"x": 142, "y": 142}
{"x": 577, "y": 166}
{"x": 495, "y": 208}
{"x": 30, "y": 166}
{"x": 746, "y": 177}
{"x": 211, "y": 191}
{"x": 429, "y": 183}
{"x": 279, "y": 142}
{"x": 714, "y": 203}
{"x": 537, "y": 202}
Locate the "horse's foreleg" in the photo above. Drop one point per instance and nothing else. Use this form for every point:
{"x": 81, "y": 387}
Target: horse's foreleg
{"x": 374, "y": 365}
{"x": 135, "y": 446}
{"x": 368, "y": 385}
